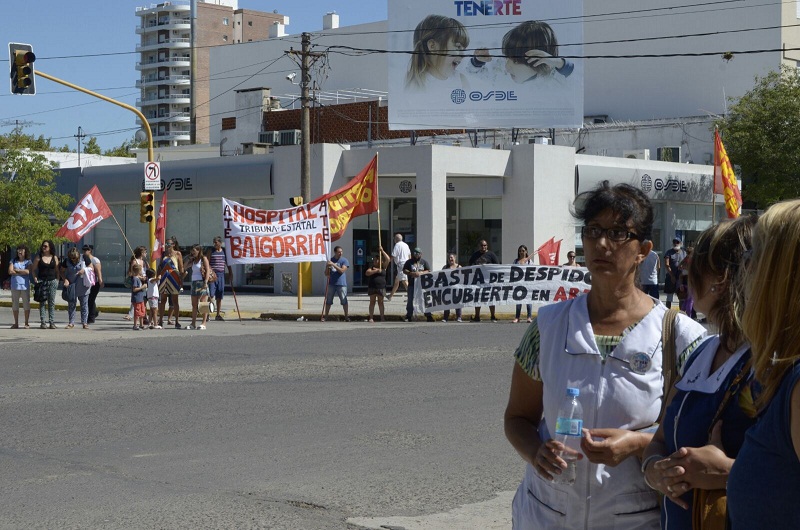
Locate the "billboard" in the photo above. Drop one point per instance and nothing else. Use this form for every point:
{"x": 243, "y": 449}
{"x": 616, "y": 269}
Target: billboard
{"x": 485, "y": 63}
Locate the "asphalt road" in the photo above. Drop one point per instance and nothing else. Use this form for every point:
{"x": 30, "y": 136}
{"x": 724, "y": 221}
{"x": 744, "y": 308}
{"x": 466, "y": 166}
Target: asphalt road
{"x": 285, "y": 425}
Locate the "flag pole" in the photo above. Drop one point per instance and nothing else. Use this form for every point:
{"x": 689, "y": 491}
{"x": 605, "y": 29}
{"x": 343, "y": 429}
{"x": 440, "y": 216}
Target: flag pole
{"x": 377, "y": 194}
{"x": 123, "y": 232}
{"x": 714, "y": 180}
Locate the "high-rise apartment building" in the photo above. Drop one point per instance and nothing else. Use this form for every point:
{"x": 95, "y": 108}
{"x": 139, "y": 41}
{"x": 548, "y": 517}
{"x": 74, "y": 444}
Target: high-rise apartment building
{"x": 169, "y": 88}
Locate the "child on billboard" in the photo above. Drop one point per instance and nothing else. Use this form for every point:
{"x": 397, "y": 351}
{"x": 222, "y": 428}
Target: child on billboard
{"x": 438, "y": 43}
{"x": 530, "y": 53}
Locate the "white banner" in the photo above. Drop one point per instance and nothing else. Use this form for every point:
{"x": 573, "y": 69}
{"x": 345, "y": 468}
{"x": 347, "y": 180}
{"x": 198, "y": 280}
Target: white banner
{"x": 293, "y": 235}
{"x": 491, "y": 63}
{"x": 483, "y": 285}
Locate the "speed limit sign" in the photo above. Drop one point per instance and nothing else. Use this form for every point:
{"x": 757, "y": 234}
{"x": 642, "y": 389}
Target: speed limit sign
{"x": 152, "y": 176}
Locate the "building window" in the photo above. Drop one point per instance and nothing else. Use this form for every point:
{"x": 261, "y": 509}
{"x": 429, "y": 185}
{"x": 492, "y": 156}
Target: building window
{"x": 228, "y": 123}
{"x": 250, "y": 23}
{"x": 225, "y": 21}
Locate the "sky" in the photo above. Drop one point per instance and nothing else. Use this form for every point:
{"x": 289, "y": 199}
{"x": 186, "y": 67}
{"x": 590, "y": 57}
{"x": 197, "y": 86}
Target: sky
{"x": 91, "y": 43}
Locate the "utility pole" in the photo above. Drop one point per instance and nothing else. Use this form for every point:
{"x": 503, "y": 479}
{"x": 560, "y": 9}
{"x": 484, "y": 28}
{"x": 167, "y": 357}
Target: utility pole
{"x": 80, "y": 136}
{"x": 307, "y": 58}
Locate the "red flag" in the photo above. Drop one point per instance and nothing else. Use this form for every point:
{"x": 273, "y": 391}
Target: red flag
{"x": 87, "y": 214}
{"x": 548, "y": 253}
{"x": 725, "y": 179}
{"x": 357, "y": 197}
{"x": 161, "y": 228}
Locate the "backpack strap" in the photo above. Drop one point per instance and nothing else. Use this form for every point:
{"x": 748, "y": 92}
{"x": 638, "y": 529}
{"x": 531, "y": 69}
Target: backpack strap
{"x": 668, "y": 355}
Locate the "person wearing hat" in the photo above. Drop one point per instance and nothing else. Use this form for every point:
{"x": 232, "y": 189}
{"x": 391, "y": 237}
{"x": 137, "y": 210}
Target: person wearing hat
{"x": 414, "y": 268}
{"x": 89, "y": 258}
{"x": 672, "y": 260}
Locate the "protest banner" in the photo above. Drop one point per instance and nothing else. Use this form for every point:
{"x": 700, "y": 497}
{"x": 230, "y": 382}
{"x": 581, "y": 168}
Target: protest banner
{"x": 483, "y": 285}
{"x": 293, "y": 235}
{"x": 87, "y": 214}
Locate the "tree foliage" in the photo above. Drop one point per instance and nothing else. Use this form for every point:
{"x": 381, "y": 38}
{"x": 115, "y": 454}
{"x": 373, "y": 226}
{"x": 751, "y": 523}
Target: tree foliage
{"x": 91, "y": 147}
{"x": 125, "y": 148}
{"x": 32, "y": 208}
{"x": 761, "y": 136}
{"x": 17, "y": 139}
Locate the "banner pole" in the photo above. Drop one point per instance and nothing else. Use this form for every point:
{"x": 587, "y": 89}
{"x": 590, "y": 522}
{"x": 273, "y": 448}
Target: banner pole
{"x": 714, "y": 180}
{"x": 122, "y": 232}
{"x": 324, "y": 298}
{"x": 235, "y": 300}
{"x": 378, "y": 196}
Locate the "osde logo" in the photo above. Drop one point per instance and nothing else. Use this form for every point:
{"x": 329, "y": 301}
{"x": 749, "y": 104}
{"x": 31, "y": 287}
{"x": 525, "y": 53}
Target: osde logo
{"x": 459, "y": 96}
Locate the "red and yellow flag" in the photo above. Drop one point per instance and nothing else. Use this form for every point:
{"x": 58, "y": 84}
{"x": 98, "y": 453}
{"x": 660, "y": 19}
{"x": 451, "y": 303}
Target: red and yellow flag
{"x": 725, "y": 179}
{"x": 357, "y": 197}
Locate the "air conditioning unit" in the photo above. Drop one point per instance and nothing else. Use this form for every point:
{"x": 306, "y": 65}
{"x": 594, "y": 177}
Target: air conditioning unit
{"x": 269, "y": 137}
{"x": 290, "y": 137}
{"x": 669, "y": 154}
{"x": 639, "y": 154}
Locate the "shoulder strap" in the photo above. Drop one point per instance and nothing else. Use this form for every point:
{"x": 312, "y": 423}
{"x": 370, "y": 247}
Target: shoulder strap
{"x": 668, "y": 355}
{"x": 732, "y": 390}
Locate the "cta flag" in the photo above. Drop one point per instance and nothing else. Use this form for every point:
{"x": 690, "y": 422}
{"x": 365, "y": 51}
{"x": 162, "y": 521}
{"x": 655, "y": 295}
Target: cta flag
{"x": 294, "y": 235}
{"x": 548, "y": 253}
{"x": 87, "y": 214}
{"x": 357, "y": 197}
{"x": 725, "y": 179}
{"x": 161, "y": 228}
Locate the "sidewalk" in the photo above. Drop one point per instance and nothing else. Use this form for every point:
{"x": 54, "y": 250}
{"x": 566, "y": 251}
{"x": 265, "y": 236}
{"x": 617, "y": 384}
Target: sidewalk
{"x": 271, "y": 306}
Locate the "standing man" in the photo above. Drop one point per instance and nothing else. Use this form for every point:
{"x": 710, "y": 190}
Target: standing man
{"x": 648, "y": 274}
{"x": 400, "y": 254}
{"x": 483, "y": 256}
{"x": 219, "y": 264}
{"x": 414, "y": 268}
{"x": 570, "y": 260}
{"x": 672, "y": 259}
{"x": 98, "y": 273}
{"x": 337, "y": 282}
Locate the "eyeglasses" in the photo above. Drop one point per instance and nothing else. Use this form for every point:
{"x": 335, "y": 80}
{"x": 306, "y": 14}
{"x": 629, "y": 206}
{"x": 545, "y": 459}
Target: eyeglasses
{"x": 613, "y": 234}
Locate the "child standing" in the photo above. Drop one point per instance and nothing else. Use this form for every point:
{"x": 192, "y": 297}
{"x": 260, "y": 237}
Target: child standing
{"x": 152, "y": 298}
{"x": 137, "y": 296}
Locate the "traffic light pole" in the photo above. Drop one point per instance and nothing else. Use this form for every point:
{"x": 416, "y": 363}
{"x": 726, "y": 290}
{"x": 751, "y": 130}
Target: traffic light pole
{"x": 145, "y": 126}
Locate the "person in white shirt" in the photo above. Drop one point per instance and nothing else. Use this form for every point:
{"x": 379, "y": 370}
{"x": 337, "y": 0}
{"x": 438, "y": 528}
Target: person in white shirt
{"x": 400, "y": 254}
{"x": 152, "y": 297}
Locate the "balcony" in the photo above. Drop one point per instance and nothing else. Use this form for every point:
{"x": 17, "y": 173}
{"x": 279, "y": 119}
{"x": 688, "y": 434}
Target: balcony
{"x": 164, "y": 7}
{"x": 183, "y": 60}
{"x": 178, "y": 135}
{"x": 168, "y": 44}
{"x": 169, "y": 117}
{"x": 172, "y": 99}
{"x": 168, "y": 80}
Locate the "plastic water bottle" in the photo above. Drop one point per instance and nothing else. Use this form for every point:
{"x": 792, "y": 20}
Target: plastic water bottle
{"x": 568, "y": 431}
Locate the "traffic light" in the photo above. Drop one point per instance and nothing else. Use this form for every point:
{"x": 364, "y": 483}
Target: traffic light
{"x": 146, "y": 206}
{"x": 21, "y": 57}
{"x": 296, "y": 201}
